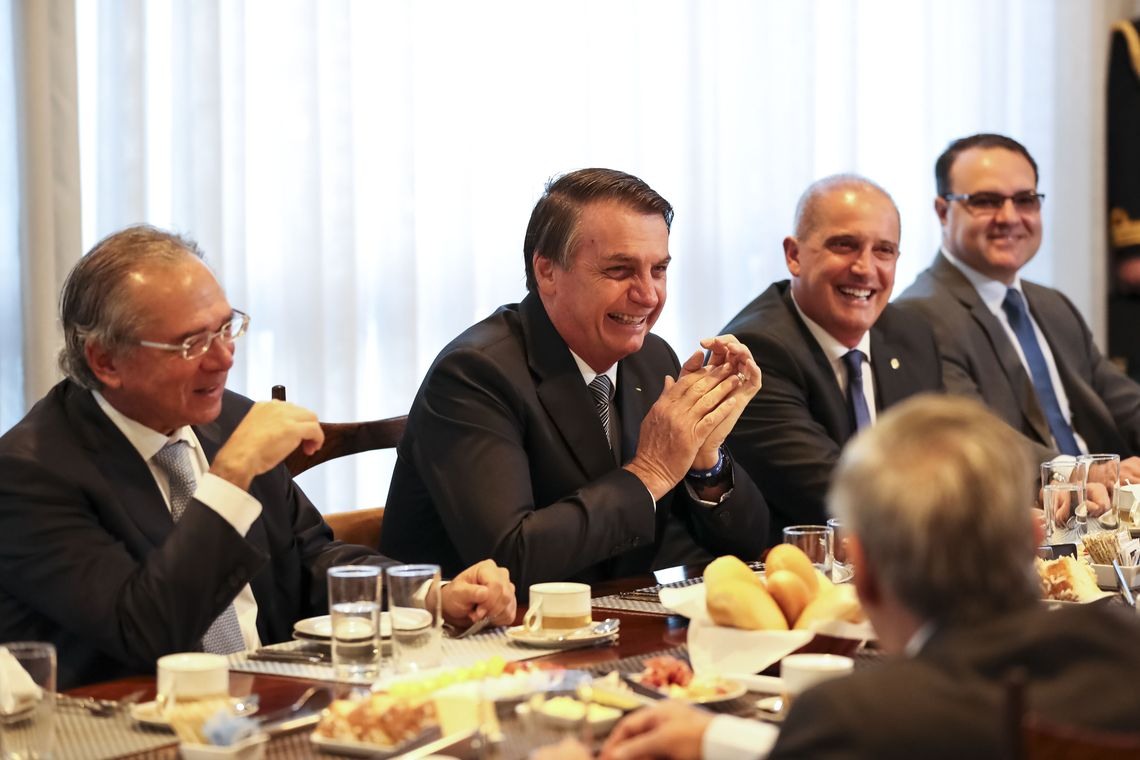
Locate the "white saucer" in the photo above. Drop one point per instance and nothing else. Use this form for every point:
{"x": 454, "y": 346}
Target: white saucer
{"x": 319, "y": 628}
{"x": 562, "y": 640}
{"x": 148, "y": 714}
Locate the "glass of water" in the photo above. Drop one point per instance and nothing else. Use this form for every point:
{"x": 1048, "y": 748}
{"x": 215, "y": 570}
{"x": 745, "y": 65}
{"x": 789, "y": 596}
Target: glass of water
{"x": 27, "y": 700}
{"x": 417, "y": 623}
{"x": 1102, "y": 484}
{"x": 354, "y": 611}
{"x": 1062, "y": 498}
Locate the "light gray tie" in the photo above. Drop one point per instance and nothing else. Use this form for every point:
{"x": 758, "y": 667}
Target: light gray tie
{"x": 602, "y": 390}
{"x": 224, "y": 634}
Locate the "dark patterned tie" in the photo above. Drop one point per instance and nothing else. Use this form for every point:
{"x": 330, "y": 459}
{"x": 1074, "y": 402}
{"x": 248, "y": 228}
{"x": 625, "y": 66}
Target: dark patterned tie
{"x": 603, "y": 391}
{"x": 224, "y": 634}
{"x": 1014, "y": 307}
{"x": 856, "y": 400}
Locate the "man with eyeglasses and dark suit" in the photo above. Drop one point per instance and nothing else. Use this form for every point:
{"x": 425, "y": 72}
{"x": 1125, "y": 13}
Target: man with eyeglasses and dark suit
{"x": 144, "y": 508}
{"x": 1022, "y": 348}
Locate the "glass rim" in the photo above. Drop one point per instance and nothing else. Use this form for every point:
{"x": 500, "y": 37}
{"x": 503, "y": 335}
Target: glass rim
{"x": 412, "y": 570}
{"x": 354, "y": 571}
{"x": 806, "y": 528}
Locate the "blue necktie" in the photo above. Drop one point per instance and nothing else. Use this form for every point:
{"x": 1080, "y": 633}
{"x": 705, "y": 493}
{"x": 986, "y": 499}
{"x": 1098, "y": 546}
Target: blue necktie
{"x": 224, "y": 635}
{"x": 856, "y": 400}
{"x": 1014, "y": 307}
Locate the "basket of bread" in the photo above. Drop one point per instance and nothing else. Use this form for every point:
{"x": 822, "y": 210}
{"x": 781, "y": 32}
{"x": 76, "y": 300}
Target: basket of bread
{"x": 741, "y": 621}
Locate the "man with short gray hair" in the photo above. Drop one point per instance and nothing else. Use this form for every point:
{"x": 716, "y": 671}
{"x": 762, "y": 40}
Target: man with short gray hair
{"x": 144, "y": 508}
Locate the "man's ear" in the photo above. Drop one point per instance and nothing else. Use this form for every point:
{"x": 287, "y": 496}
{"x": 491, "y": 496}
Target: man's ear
{"x": 866, "y": 580}
{"x": 103, "y": 364}
{"x": 942, "y": 208}
{"x": 543, "y": 273}
{"x": 792, "y": 255}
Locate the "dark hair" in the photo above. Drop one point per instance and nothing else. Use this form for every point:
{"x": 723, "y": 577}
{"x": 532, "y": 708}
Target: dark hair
{"x": 93, "y": 306}
{"x": 553, "y": 226}
{"x": 982, "y": 140}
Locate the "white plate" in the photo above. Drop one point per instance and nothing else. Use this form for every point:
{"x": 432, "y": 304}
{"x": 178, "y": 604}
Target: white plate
{"x": 546, "y": 640}
{"x": 320, "y": 627}
{"x": 733, "y": 690}
{"x": 147, "y": 713}
{"x": 363, "y": 749}
{"x": 602, "y": 725}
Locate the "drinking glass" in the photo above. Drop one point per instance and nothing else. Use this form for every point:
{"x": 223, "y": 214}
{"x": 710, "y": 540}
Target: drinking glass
{"x": 815, "y": 541}
{"x": 1062, "y": 498}
{"x": 417, "y": 624}
{"x": 354, "y": 610}
{"x": 839, "y": 538}
{"x": 27, "y": 700}
{"x": 1102, "y": 490}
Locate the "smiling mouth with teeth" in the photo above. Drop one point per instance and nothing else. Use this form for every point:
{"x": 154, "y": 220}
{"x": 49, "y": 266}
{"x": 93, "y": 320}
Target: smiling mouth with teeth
{"x": 863, "y": 293}
{"x": 626, "y": 319}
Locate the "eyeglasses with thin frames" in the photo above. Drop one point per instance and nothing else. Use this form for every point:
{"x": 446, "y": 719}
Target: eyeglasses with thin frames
{"x": 1026, "y": 202}
{"x": 198, "y": 345}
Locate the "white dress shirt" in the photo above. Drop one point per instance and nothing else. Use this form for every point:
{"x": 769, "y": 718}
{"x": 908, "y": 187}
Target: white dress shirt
{"x": 835, "y": 351}
{"x": 234, "y": 505}
{"x": 992, "y": 293}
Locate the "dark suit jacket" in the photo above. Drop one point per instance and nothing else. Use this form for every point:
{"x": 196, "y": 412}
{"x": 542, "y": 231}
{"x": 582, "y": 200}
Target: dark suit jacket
{"x": 790, "y": 436}
{"x": 91, "y": 560}
{"x": 948, "y": 702}
{"x": 504, "y": 455}
{"x": 979, "y": 360}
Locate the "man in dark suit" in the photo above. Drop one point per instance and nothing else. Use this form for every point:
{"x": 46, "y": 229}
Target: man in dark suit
{"x": 143, "y": 507}
{"x": 805, "y": 335}
{"x": 1022, "y": 348}
{"x": 553, "y": 436}
{"x": 934, "y": 495}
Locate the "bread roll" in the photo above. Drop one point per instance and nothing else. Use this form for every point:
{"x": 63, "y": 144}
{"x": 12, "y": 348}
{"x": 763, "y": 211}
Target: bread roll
{"x": 728, "y": 568}
{"x": 792, "y": 558}
{"x": 840, "y": 603}
{"x": 790, "y": 592}
{"x": 744, "y": 604}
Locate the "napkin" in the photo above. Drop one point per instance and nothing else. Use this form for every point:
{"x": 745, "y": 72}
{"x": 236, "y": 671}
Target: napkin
{"x": 716, "y": 650}
{"x": 17, "y": 688}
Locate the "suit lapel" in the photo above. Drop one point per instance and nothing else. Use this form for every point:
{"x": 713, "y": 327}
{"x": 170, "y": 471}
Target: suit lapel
{"x": 562, "y": 393}
{"x": 833, "y": 404}
{"x": 135, "y": 489}
{"x": 957, "y": 284}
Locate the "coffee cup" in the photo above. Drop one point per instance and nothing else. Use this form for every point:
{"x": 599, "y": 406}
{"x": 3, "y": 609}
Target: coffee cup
{"x": 192, "y": 677}
{"x": 558, "y": 606}
{"x": 799, "y": 672}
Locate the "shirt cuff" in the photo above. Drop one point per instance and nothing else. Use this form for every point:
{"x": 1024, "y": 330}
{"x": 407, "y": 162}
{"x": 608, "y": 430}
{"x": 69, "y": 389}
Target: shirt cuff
{"x": 237, "y": 507}
{"x": 731, "y": 738}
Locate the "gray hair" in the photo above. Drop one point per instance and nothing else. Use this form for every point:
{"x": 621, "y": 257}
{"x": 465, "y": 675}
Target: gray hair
{"x": 93, "y": 306}
{"x": 553, "y": 228}
{"x": 807, "y": 208}
{"x": 938, "y": 492}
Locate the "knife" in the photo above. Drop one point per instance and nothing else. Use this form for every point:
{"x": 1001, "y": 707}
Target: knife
{"x": 287, "y": 655}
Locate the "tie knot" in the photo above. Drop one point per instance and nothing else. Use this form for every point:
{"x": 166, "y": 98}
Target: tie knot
{"x": 854, "y": 360}
{"x": 173, "y": 456}
{"x": 602, "y": 389}
{"x": 1013, "y": 302}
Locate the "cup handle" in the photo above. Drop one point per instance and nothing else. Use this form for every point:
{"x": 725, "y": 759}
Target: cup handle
{"x": 532, "y": 621}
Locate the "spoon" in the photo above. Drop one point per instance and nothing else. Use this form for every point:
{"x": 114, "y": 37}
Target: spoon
{"x": 311, "y": 702}
{"x": 601, "y": 628}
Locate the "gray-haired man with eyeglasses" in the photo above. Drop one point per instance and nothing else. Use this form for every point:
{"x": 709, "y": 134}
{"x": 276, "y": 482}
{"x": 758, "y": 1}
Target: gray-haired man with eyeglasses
{"x": 144, "y": 508}
{"x": 1022, "y": 348}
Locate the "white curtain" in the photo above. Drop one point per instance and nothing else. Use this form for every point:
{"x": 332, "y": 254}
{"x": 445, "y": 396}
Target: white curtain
{"x": 360, "y": 173}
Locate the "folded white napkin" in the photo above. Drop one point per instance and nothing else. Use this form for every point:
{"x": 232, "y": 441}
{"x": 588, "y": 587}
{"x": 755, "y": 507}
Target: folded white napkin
{"x": 17, "y": 689}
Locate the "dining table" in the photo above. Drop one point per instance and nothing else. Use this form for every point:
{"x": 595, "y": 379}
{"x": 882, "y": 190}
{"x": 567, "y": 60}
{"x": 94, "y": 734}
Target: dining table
{"x": 646, "y": 629}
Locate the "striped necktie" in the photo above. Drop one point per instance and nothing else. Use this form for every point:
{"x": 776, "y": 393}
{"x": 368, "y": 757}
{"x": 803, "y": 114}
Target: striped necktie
{"x": 224, "y": 634}
{"x": 603, "y": 391}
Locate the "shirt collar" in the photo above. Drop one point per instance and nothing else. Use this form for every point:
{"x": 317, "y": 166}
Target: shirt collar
{"x": 588, "y": 374}
{"x": 991, "y": 291}
{"x": 832, "y": 348}
{"x": 146, "y": 442}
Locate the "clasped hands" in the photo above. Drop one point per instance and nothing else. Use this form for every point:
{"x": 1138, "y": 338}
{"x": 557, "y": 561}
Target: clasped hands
{"x": 686, "y": 426}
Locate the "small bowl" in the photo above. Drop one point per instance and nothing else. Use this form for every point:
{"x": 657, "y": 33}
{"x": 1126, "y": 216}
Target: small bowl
{"x": 252, "y": 748}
